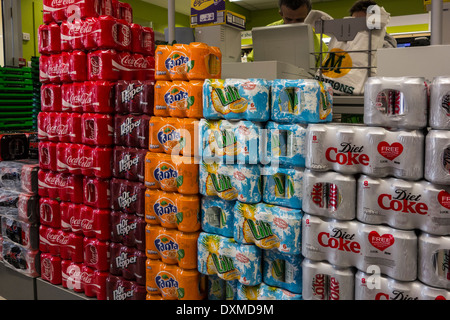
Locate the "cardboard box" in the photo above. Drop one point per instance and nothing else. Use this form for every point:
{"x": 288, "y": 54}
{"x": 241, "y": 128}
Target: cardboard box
{"x": 213, "y": 12}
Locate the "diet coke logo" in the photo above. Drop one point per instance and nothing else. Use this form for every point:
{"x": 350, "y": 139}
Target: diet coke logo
{"x": 402, "y": 202}
{"x": 339, "y": 240}
{"x": 348, "y": 155}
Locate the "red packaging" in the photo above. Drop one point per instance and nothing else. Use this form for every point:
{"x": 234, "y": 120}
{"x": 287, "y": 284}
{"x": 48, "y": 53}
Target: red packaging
{"x": 125, "y": 11}
{"x": 48, "y": 155}
{"x": 47, "y": 239}
{"x": 96, "y": 192}
{"x": 97, "y": 129}
{"x": 64, "y": 126}
{"x": 49, "y": 212}
{"x": 103, "y": 162}
{"x": 129, "y": 163}
{"x": 132, "y": 130}
{"x": 71, "y": 217}
{"x": 98, "y": 96}
{"x": 63, "y": 60}
{"x": 143, "y": 40}
{"x": 43, "y": 121}
{"x": 104, "y": 36}
{"x": 94, "y": 282}
{"x": 72, "y": 275}
{"x": 134, "y": 97}
{"x": 125, "y": 62}
{"x": 102, "y": 66}
{"x": 128, "y": 262}
{"x": 77, "y": 65}
{"x": 128, "y": 196}
{"x": 42, "y": 184}
{"x": 51, "y": 97}
{"x": 51, "y": 268}
{"x": 95, "y": 223}
{"x": 128, "y": 229}
{"x": 72, "y": 246}
{"x": 118, "y": 288}
{"x": 67, "y": 155}
{"x": 65, "y": 187}
{"x": 96, "y": 253}
{"x": 150, "y": 75}
{"x": 49, "y": 38}
{"x": 74, "y": 123}
{"x": 71, "y": 35}
{"x": 43, "y": 69}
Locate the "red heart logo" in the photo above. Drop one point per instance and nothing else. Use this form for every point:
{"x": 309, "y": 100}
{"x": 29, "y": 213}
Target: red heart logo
{"x": 381, "y": 242}
{"x": 390, "y": 151}
{"x": 444, "y": 199}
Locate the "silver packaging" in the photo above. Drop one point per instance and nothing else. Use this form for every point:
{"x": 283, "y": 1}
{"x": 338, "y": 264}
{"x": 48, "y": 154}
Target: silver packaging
{"x": 329, "y": 194}
{"x": 375, "y": 151}
{"x": 440, "y": 103}
{"x": 396, "y": 102}
{"x": 437, "y": 157}
{"x": 323, "y": 281}
{"x": 434, "y": 260}
{"x": 371, "y": 286}
{"x": 355, "y": 244}
{"x": 404, "y": 204}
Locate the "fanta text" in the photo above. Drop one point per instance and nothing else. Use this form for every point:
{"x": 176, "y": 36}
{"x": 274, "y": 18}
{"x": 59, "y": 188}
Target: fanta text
{"x": 167, "y": 174}
{"x": 166, "y": 246}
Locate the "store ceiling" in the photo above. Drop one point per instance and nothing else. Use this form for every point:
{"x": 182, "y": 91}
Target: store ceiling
{"x": 184, "y": 6}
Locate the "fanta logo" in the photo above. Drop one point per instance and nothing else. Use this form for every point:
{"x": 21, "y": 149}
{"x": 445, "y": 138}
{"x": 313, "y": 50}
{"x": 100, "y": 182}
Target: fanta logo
{"x": 165, "y": 280}
{"x": 339, "y": 240}
{"x": 175, "y": 95}
{"x": 165, "y": 171}
{"x": 165, "y": 244}
{"x": 168, "y": 133}
{"x": 348, "y": 155}
{"x": 164, "y": 206}
{"x": 337, "y": 64}
{"x": 402, "y": 202}
{"x": 177, "y": 59}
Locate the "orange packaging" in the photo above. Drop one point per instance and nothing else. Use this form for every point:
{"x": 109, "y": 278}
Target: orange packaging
{"x": 171, "y": 173}
{"x": 172, "y": 210}
{"x": 185, "y": 99}
{"x": 171, "y": 246}
{"x": 177, "y": 63}
{"x": 161, "y": 88}
{"x": 173, "y": 282}
{"x": 162, "y": 53}
{"x": 153, "y": 297}
{"x": 172, "y": 135}
{"x": 205, "y": 62}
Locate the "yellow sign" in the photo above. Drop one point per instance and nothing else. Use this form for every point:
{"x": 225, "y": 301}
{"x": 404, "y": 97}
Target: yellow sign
{"x": 426, "y": 2}
{"x": 337, "y": 63}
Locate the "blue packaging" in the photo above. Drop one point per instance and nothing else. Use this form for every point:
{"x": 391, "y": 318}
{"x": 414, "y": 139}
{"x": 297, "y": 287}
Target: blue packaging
{"x": 282, "y": 270}
{"x": 283, "y": 186}
{"x": 264, "y": 292}
{"x": 217, "y": 216}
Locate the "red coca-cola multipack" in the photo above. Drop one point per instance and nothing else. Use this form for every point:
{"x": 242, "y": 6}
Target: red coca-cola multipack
{"x": 97, "y": 69}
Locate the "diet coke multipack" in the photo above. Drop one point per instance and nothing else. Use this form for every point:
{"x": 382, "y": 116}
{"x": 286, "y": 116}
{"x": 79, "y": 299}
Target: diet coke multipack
{"x": 97, "y": 70}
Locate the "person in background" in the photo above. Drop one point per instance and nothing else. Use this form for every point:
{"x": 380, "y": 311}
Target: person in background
{"x": 295, "y": 11}
{"x": 359, "y": 9}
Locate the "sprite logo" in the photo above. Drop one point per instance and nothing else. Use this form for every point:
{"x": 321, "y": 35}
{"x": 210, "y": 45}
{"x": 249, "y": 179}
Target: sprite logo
{"x": 227, "y": 95}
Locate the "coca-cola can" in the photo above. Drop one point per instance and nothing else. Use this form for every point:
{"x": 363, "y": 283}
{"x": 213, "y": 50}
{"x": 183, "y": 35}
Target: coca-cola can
{"x": 94, "y": 282}
{"x": 96, "y": 192}
{"x": 44, "y": 61}
{"x": 49, "y": 38}
{"x": 51, "y": 268}
{"x": 72, "y": 247}
{"x": 97, "y": 129}
{"x": 437, "y": 157}
{"x": 440, "y": 103}
{"x": 48, "y": 155}
{"x": 434, "y": 260}
{"x": 49, "y": 212}
{"x": 329, "y": 194}
{"x": 98, "y": 97}
{"x": 102, "y": 65}
{"x": 77, "y": 66}
{"x": 355, "y": 244}
{"x": 323, "y": 281}
{"x": 64, "y": 66}
{"x": 125, "y": 11}
{"x": 95, "y": 222}
{"x": 51, "y": 98}
{"x": 71, "y": 217}
{"x": 72, "y": 275}
{"x": 373, "y": 286}
{"x": 96, "y": 253}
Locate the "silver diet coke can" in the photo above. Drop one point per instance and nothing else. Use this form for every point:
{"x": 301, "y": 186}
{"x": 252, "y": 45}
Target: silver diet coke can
{"x": 434, "y": 260}
{"x": 355, "y": 244}
{"x": 323, "y": 281}
{"x": 329, "y": 194}
{"x": 396, "y": 102}
{"x": 437, "y": 156}
{"x": 379, "y": 287}
{"x": 404, "y": 204}
{"x": 440, "y": 103}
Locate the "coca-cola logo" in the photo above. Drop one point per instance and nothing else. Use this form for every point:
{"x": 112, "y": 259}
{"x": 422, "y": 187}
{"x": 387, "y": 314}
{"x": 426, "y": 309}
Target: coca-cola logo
{"x": 62, "y": 3}
{"x": 325, "y": 195}
{"x": 403, "y": 201}
{"x": 95, "y": 65}
{"x": 381, "y": 242}
{"x": 57, "y": 130}
{"x": 348, "y": 155}
{"x": 47, "y": 269}
{"x": 388, "y": 151}
{"x": 325, "y": 287}
{"x": 339, "y": 240}
{"x": 58, "y": 181}
{"x": 80, "y": 99}
{"x": 80, "y": 162}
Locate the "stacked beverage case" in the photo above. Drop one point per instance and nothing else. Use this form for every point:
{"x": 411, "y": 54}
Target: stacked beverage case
{"x": 97, "y": 70}
{"x": 368, "y": 207}
{"x": 251, "y": 145}
{"x": 172, "y": 200}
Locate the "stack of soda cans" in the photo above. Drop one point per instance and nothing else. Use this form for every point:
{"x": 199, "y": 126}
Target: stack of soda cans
{"x": 366, "y": 200}
{"x": 171, "y": 171}
{"x": 252, "y": 144}
{"x": 19, "y": 216}
{"x": 86, "y": 51}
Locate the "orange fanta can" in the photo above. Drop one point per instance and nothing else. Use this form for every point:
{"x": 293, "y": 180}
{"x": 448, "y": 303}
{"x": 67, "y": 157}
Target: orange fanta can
{"x": 172, "y": 135}
{"x": 161, "y": 108}
{"x": 177, "y": 63}
{"x": 171, "y": 173}
{"x": 205, "y": 62}
{"x": 185, "y": 99}
{"x": 172, "y": 210}
{"x": 162, "y": 53}
{"x": 173, "y": 282}
{"x": 171, "y": 246}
